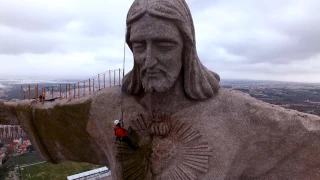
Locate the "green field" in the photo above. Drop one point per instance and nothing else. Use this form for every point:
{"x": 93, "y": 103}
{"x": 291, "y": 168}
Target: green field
{"x": 29, "y": 158}
{"x": 48, "y": 171}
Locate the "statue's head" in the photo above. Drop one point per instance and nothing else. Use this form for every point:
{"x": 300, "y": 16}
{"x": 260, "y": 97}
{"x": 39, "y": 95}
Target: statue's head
{"x": 160, "y": 33}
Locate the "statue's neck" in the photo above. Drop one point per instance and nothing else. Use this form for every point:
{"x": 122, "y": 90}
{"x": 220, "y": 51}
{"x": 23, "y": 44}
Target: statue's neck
{"x": 169, "y": 101}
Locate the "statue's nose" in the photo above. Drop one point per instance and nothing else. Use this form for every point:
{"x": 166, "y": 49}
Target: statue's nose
{"x": 150, "y": 57}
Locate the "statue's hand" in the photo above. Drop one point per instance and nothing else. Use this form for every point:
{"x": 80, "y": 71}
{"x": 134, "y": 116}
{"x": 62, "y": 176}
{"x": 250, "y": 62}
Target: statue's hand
{"x": 8, "y": 114}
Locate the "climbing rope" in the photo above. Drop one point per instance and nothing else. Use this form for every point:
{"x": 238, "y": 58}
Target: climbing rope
{"x": 122, "y": 98}
{"x": 121, "y": 92}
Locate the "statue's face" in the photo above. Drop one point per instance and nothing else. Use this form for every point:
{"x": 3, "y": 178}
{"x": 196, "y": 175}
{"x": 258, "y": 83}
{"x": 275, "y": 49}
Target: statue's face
{"x": 157, "y": 48}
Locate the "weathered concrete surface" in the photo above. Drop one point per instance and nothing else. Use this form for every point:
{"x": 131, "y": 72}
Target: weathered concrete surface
{"x": 189, "y": 128}
{"x": 106, "y": 178}
{"x": 248, "y": 139}
{"x": 56, "y": 131}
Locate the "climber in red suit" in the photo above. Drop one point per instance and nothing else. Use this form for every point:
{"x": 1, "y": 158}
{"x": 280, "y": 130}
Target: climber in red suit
{"x": 122, "y": 134}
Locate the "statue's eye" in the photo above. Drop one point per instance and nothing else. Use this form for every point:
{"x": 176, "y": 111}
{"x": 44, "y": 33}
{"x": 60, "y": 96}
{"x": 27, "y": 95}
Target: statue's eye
{"x": 139, "y": 47}
{"x": 165, "y": 46}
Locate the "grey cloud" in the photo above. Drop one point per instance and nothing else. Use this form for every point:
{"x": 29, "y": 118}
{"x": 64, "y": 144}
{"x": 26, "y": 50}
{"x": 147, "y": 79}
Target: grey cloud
{"x": 273, "y": 32}
{"x": 236, "y": 38}
{"x": 301, "y": 44}
{"x": 70, "y": 26}
{"x": 101, "y": 27}
{"x": 105, "y": 58}
{"x": 236, "y": 68}
{"x": 13, "y": 41}
{"x": 196, "y": 5}
{"x": 17, "y": 42}
{"x": 33, "y": 16}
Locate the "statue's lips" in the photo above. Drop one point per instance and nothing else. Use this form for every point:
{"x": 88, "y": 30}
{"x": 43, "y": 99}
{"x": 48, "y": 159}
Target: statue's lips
{"x": 153, "y": 73}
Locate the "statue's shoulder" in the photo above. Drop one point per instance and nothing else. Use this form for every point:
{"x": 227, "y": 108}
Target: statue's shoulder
{"x": 252, "y": 108}
{"x": 111, "y": 95}
{"x": 237, "y": 102}
{"x": 233, "y": 98}
{"x": 15, "y": 103}
{"x": 111, "y": 92}
{"x": 225, "y": 101}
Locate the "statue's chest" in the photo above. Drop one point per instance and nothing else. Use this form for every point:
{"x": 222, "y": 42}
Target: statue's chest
{"x": 169, "y": 148}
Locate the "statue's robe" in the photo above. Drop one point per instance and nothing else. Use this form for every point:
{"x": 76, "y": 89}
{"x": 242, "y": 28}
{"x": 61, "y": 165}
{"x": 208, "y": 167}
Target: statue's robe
{"x": 247, "y": 138}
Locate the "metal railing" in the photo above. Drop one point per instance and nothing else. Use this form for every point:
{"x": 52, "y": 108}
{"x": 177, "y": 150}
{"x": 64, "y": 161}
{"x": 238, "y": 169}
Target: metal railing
{"x": 72, "y": 90}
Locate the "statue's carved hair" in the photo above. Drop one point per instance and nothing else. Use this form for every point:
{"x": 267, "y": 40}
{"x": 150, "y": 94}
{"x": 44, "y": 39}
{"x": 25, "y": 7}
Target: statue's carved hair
{"x": 199, "y": 82}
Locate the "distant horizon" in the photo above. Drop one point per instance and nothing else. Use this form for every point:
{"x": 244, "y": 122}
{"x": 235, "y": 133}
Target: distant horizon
{"x": 44, "y": 78}
{"x": 284, "y": 81}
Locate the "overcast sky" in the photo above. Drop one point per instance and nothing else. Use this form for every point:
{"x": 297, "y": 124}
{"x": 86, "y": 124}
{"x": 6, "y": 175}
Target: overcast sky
{"x": 238, "y": 39}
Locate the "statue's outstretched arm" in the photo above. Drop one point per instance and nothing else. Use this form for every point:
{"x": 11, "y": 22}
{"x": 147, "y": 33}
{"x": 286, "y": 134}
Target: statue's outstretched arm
{"x": 58, "y": 132}
{"x": 8, "y": 114}
{"x": 282, "y": 143}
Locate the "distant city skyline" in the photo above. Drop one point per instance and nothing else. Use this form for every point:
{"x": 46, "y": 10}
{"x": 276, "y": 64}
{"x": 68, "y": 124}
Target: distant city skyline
{"x": 249, "y": 40}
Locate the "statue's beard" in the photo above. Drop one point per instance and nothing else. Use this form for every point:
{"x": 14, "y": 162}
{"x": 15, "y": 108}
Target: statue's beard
{"x": 163, "y": 84}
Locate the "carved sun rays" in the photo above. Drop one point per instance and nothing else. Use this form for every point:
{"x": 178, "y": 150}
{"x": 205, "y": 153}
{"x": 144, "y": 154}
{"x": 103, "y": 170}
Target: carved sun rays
{"x": 177, "y": 153}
